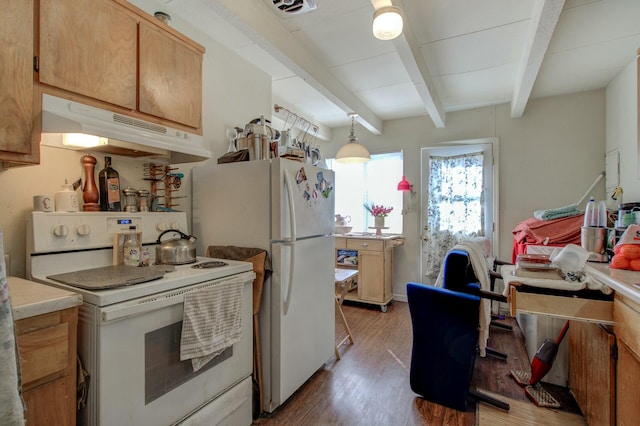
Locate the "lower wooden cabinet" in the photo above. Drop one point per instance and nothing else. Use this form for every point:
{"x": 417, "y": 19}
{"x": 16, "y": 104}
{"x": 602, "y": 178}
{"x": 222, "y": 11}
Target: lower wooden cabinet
{"x": 627, "y": 328}
{"x": 592, "y": 371}
{"x": 47, "y": 347}
{"x": 373, "y": 258}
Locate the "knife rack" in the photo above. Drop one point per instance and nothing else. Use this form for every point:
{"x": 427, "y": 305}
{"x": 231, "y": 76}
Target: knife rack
{"x": 165, "y": 182}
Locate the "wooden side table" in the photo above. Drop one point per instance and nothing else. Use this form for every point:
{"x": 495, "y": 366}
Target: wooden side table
{"x": 344, "y": 279}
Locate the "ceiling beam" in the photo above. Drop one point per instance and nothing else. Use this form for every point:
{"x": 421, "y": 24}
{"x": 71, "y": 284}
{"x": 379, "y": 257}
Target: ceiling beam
{"x": 409, "y": 51}
{"x": 253, "y": 19}
{"x": 544, "y": 19}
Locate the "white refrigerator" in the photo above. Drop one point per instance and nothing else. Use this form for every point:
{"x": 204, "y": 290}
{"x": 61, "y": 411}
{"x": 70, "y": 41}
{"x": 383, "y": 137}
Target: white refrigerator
{"x": 287, "y": 208}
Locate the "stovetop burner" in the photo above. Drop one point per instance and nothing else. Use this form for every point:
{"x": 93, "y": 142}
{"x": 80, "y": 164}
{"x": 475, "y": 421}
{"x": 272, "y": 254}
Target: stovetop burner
{"x": 209, "y": 265}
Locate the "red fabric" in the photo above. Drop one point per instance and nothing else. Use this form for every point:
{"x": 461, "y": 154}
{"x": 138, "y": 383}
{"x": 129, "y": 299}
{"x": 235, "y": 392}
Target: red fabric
{"x": 564, "y": 230}
{"x": 554, "y": 232}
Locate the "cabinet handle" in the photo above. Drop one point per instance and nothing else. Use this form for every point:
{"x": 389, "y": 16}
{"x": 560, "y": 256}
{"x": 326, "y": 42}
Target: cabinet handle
{"x": 364, "y": 245}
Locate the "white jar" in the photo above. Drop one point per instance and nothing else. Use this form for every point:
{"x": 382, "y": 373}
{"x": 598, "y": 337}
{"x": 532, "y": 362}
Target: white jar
{"x": 66, "y": 200}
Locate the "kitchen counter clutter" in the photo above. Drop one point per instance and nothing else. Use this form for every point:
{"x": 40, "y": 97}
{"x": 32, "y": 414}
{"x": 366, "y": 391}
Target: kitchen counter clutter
{"x": 372, "y": 256}
{"x": 46, "y": 320}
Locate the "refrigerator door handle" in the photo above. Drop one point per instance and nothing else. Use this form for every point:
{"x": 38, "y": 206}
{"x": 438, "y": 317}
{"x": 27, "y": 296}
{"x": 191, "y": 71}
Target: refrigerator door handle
{"x": 292, "y": 207}
{"x": 292, "y": 225}
{"x": 287, "y": 297}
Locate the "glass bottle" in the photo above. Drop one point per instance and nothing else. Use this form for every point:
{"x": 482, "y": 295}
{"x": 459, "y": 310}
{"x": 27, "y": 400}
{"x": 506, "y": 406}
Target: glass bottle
{"x": 132, "y": 248}
{"x": 109, "y": 181}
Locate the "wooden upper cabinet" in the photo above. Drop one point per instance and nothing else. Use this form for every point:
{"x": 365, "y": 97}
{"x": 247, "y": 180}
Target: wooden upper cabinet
{"x": 170, "y": 77}
{"x": 89, "y": 47}
{"x": 17, "y": 144}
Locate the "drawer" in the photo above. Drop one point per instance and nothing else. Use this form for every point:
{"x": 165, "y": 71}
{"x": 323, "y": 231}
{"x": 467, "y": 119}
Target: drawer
{"x": 365, "y": 244}
{"x": 44, "y": 353}
{"x": 341, "y": 243}
{"x": 561, "y": 304}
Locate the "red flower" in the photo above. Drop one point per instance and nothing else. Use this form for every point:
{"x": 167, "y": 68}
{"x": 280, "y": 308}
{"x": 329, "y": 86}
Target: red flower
{"x": 378, "y": 211}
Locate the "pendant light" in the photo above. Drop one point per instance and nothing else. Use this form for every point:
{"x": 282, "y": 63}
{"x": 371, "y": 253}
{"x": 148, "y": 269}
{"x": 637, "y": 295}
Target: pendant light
{"x": 387, "y": 22}
{"x": 352, "y": 151}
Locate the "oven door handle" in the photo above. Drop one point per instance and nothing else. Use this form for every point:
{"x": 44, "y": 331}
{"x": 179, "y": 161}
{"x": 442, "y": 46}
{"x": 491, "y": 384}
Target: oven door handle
{"x": 163, "y": 300}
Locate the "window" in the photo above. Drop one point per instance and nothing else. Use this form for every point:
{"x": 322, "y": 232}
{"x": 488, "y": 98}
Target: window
{"x": 373, "y": 182}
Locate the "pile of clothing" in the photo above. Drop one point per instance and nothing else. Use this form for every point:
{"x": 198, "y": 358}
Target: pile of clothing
{"x": 553, "y": 233}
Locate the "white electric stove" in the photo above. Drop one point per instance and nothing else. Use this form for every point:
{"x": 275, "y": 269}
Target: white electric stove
{"x": 129, "y": 336}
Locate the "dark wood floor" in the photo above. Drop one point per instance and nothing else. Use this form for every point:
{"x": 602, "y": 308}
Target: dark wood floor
{"x": 370, "y": 384}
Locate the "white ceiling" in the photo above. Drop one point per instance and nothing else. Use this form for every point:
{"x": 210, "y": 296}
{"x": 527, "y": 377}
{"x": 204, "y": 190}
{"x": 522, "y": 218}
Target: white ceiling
{"x": 452, "y": 55}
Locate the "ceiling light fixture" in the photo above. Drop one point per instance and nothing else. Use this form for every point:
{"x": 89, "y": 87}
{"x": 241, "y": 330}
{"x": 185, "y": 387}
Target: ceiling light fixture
{"x": 387, "y": 22}
{"x": 352, "y": 151}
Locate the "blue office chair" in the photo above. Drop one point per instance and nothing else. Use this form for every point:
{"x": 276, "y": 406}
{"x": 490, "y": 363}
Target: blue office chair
{"x": 445, "y": 337}
{"x": 458, "y": 275}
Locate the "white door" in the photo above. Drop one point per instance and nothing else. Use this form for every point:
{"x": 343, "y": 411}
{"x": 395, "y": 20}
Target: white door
{"x": 459, "y": 185}
{"x": 302, "y": 313}
{"x": 303, "y": 200}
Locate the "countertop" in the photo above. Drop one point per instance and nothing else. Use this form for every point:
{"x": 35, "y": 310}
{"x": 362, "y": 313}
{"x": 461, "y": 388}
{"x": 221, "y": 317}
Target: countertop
{"x": 29, "y": 299}
{"x": 371, "y": 235}
{"x": 621, "y": 281}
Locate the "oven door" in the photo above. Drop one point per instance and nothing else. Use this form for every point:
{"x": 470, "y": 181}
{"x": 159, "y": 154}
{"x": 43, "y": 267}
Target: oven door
{"x": 140, "y": 379}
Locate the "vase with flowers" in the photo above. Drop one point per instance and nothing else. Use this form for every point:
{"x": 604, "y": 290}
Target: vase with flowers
{"x": 379, "y": 212}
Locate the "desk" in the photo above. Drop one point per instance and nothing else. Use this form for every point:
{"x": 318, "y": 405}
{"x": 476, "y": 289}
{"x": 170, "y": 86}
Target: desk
{"x": 344, "y": 278}
{"x": 581, "y": 305}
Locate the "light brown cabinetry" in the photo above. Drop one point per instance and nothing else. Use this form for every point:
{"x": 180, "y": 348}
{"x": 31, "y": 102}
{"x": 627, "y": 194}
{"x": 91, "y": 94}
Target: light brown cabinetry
{"x": 47, "y": 349}
{"x": 170, "y": 77}
{"x": 592, "y": 370}
{"x": 627, "y": 329}
{"x": 373, "y": 258}
{"x": 112, "y": 52}
{"x": 17, "y": 142}
{"x": 89, "y": 47}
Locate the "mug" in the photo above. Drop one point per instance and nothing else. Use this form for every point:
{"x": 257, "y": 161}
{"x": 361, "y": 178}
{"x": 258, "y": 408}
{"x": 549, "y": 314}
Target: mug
{"x": 42, "y": 203}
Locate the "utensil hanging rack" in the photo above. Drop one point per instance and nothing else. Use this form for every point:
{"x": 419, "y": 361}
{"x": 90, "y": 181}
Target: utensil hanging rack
{"x": 305, "y": 124}
{"x": 164, "y": 183}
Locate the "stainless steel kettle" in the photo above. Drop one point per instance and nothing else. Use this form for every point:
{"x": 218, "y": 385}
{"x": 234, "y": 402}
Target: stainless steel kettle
{"x": 177, "y": 251}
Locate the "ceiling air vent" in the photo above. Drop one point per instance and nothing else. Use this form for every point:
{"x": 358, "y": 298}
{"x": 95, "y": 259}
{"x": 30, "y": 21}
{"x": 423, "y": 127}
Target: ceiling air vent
{"x": 294, "y": 7}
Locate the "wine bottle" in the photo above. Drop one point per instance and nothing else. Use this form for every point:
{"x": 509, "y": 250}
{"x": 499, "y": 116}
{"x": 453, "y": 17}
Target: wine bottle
{"x": 109, "y": 181}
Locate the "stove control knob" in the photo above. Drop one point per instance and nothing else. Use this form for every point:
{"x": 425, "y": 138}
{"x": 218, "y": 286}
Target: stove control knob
{"x": 160, "y": 226}
{"x": 83, "y": 230}
{"x": 174, "y": 225}
{"x": 60, "y": 230}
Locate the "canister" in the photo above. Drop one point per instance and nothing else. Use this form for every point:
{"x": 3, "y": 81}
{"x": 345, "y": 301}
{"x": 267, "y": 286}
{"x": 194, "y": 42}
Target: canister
{"x": 626, "y": 214}
{"x": 66, "y": 200}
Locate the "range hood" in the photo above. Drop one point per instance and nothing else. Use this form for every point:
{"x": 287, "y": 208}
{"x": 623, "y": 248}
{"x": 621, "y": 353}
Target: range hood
{"x": 119, "y": 134}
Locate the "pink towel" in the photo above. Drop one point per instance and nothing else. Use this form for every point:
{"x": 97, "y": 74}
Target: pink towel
{"x": 564, "y": 230}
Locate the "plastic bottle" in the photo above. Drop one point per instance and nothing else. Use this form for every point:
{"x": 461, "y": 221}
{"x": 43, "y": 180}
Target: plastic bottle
{"x": 590, "y": 213}
{"x": 602, "y": 214}
{"x": 109, "y": 181}
{"x": 132, "y": 248}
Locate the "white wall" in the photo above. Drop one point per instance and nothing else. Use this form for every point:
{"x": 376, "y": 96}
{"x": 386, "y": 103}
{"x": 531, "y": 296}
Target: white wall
{"x": 548, "y": 158}
{"x": 235, "y": 92}
{"x": 622, "y": 128}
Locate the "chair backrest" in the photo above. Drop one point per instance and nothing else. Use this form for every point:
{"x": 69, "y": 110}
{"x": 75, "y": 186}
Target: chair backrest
{"x": 445, "y": 338}
{"x": 458, "y": 271}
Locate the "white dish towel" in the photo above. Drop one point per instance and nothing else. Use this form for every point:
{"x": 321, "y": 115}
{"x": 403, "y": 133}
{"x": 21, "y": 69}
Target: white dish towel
{"x": 211, "y": 321}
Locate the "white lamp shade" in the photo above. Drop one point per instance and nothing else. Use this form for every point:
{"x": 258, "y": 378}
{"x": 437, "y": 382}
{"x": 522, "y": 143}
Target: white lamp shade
{"x": 352, "y": 152}
{"x": 387, "y": 23}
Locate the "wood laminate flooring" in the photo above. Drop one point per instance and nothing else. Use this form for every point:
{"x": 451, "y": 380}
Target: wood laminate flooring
{"x": 370, "y": 384}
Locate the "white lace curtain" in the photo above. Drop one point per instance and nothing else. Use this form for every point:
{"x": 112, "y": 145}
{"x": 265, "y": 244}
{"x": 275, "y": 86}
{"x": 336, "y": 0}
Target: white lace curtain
{"x": 455, "y": 206}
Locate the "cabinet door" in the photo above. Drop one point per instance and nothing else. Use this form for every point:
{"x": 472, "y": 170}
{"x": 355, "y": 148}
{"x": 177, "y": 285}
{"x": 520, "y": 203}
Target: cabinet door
{"x": 16, "y": 82}
{"x": 170, "y": 78}
{"x": 371, "y": 276}
{"x": 592, "y": 371}
{"x": 627, "y": 395}
{"x": 89, "y": 47}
